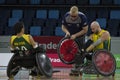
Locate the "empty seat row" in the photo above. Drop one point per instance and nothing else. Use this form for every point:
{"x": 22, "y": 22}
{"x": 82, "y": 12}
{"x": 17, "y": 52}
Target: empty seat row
{"x": 46, "y": 31}
{"x": 37, "y": 2}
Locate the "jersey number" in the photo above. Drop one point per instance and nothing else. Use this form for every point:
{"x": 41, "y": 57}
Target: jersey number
{"x": 23, "y": 48}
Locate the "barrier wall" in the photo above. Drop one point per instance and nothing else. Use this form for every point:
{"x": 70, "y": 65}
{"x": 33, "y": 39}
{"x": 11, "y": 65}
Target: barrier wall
{"x": 50, "y": 43}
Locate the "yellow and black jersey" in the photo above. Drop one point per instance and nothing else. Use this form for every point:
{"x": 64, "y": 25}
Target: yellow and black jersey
{"x": 21, "y": 43}
{"x": 104, "y": 45}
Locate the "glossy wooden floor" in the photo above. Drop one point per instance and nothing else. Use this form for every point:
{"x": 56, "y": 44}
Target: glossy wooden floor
{"x": 62, "y": 75}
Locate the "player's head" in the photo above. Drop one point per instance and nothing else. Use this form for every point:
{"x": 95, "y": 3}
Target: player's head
{"x": 95, "y": 27}
{"x": 74, "y": 12}
{"x": 19, "y": 27}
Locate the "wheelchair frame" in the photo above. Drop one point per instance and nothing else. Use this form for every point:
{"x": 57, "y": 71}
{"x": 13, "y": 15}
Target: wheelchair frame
{"x": 39, "y": 60}
{"x": 95, "y": 54}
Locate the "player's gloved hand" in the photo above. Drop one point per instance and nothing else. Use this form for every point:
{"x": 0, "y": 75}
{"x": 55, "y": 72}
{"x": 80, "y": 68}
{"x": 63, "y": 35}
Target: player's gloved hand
{"x": 14, "y": 51}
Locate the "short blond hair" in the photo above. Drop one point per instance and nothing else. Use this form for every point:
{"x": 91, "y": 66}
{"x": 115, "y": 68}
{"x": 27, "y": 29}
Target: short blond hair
{"x": 74, "y": 10}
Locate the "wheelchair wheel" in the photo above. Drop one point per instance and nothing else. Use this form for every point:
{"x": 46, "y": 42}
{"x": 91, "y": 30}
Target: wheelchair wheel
{"x": 104, "y": 62}
{"x": 12, "y": 68}
{"x": 44, "y": 64}
{"x": 67, "y": 50}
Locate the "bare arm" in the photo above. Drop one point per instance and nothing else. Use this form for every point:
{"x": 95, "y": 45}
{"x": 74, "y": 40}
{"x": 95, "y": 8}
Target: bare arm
{"x": 65, "y": 30}
{"x": 11, "y": 45}
{"x": 34, "y": 44}
{"x": 105, "y": 36}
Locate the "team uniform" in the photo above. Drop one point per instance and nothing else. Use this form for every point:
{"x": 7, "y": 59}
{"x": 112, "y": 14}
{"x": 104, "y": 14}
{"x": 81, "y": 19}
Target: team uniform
{"x": 21, "y": 43}
{"x": 75, "y": 26}
{"x": 104, "y": 45}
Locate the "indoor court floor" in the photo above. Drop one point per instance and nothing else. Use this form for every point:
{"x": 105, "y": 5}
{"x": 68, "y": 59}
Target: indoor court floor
{"x": 60, "y": 74}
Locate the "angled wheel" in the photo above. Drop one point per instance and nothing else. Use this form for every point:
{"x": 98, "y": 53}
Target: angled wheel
{"x": 12, "y": 68}
{"x": 44, "y": 64}
{"x": 104, "y": 62}
{"x": 67, "y": 50}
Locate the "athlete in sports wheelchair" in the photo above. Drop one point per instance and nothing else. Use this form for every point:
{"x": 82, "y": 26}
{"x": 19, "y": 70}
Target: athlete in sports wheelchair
{"x": 103, "y": 62}
{"x": 36, "y": 61}
{"x": 96, "y": 49}
{"x": 27, "y": 54}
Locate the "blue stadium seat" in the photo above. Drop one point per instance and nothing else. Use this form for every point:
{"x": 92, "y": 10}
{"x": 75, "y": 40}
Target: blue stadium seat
{"x": 102, "y": 22}
{"x": 113, "y": 27}
{"x": 53, "y": 14}
{"x": 17, "y": 14}
{"x": 59, "y": 32}
{"x": 59, "y": 2}
{"x": 115, "y": 14}
{"x": 41, "y": 14}
{"x": 2, "y": 1}
{"x": 107, "y": 2}
{"x": 70, "y": 1}
{"x": 12, "y": 21}
{"x": 35, "y": 1}
{"x": 82, "y": 2}
{"x": 35, "y": 30}
{"x": 94, "y": 1}
{"x": 117, "y": 2}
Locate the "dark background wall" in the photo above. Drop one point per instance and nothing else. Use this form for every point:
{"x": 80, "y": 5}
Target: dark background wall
{"x": 43, "y": 17}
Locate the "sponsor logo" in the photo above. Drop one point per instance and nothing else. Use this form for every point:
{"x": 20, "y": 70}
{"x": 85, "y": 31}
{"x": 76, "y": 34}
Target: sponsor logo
{"x": 54, "y": 60}
{"x": 50, "y": 45}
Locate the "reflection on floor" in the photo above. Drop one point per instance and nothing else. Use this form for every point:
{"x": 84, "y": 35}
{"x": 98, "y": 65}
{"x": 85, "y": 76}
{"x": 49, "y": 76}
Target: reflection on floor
{"x": 62, "y": 74}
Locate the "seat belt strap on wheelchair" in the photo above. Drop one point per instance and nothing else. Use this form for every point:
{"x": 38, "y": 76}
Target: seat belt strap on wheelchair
{"x": 97, "y": 42}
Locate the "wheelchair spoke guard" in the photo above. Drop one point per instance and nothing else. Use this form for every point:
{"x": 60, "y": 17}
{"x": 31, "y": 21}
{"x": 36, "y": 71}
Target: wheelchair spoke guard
{"x": 104, "y": 62}
{"x": 67, "y": 49}
{"x": 44, "y": 64}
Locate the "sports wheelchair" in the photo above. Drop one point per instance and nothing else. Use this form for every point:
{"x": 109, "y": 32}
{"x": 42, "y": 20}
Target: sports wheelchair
{"x": 103, "y": 62}
{"x": 30, "y": 60}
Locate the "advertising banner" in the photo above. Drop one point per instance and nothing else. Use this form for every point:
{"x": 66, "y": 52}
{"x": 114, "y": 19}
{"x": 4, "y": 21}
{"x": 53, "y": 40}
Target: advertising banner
{"x": 56, "y": 62}
{"x": 49, "y": 42}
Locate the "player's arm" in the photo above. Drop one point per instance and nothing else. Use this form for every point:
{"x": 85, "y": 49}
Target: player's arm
{"x": 36, "y": 47}
{"x": 105, "y": 36}
{"x": 11, "y": 45}
{"x": 34, "y": 44}
{"x": 65, "y": 30}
